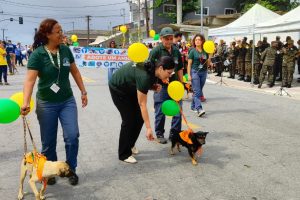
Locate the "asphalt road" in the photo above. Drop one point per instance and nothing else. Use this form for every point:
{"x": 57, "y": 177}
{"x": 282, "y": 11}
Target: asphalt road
{"x": 251, "y": 152}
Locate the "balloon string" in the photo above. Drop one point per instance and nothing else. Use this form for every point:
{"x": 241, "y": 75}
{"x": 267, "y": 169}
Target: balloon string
{"x": 181, "y": 112}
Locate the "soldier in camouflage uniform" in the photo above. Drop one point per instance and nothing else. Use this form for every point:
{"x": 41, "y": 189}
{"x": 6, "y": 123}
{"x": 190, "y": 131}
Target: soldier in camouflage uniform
{"x": 268, "y": 60}
{"x": 232, "y": 55}
{"x": 221, "y": 49}
{"x": 288, "y": 65}
{"x": 248, "y": 59}
{"x": 257, "y": 64}
{"x": 241, "y": 60}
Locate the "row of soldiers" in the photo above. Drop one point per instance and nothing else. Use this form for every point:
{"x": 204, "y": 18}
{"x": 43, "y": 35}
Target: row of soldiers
{"x": 272, "y": 60}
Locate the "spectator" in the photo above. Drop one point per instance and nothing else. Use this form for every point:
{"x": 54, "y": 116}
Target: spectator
{"x": 3, "y": 64}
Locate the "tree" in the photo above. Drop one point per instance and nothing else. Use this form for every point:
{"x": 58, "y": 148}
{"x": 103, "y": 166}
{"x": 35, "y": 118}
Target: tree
{"x": 187, "y": 6}
{"x": 274, "y": 5}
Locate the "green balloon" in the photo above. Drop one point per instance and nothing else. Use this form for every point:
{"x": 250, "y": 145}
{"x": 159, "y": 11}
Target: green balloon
{"x": 170, "y": 108}
{"x": 156, "y": 37}
{"x": 187, "y": 77}
{"x": 9, "y": 111}
{"x": 75, "y": 44}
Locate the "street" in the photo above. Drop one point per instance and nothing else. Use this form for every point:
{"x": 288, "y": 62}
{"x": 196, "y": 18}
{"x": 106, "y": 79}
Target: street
{"x": 251, "y": 151}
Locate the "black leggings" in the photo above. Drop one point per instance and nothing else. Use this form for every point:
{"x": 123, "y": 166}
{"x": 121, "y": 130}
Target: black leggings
{"x": 132, "y": 121}
{"x": 3, "y": 70}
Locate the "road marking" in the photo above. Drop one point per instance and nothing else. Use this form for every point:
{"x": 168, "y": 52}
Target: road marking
{"x": 88, "y": 80}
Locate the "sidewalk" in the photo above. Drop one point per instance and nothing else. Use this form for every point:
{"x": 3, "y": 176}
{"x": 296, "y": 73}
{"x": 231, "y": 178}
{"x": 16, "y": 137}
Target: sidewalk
{"x": 294, "y": 91}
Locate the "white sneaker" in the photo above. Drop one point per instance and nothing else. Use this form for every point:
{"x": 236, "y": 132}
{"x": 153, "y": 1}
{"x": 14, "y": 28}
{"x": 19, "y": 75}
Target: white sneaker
{"x": 201, "y": 113}
{"x": 134, "y": 150}
{"x": 193, "y": 110}
{"x": 131, "y": 160}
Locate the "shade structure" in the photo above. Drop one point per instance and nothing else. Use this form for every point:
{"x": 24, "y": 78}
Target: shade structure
{"x": 245, "y": 25}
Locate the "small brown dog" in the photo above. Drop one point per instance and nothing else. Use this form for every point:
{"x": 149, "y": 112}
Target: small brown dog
{"x": 40, "y": 170}
{"x": 192, "y": 141}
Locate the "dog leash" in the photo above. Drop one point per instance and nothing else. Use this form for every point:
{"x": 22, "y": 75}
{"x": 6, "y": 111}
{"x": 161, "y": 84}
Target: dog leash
{"x": 26, "y": 127}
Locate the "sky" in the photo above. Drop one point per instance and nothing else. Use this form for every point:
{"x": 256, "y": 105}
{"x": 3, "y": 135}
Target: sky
{"x": 103, "y": 12}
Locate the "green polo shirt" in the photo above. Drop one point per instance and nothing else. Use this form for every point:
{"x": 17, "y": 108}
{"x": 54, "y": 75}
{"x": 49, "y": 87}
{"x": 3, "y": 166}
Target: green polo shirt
{"x": 198, "y": 58}
{"x": 48, "y": 73}
{"x": 160, "y": 51}
{"x": 128, "y": 79}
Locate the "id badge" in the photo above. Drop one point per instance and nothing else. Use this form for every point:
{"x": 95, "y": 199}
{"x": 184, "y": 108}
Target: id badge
{"x": 55, "y": 88}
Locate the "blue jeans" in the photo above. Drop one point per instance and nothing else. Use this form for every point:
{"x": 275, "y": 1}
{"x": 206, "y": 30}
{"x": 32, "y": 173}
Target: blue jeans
{"x": 3, "y": 70}
{"x": 159, "y": 98}
{"x": 48, "y": 114}
{"x": 198, "y": 82}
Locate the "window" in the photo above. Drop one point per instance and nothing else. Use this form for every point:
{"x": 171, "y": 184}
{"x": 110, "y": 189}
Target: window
{"x": 205, "y": 11}
{"x": 228, "y": 11}
{"x": 169, "y": 8}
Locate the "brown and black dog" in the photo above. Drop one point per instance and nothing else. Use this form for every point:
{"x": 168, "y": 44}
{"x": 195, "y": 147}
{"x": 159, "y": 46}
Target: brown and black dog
{"x": 192, "y": 141}
{"x": 40, "y": 169}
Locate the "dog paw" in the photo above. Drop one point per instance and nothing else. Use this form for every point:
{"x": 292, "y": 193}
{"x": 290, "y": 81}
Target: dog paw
{"x": 172, "y": 152}
{"x": 20, "y": 196}
{"x": 194, "y": 162}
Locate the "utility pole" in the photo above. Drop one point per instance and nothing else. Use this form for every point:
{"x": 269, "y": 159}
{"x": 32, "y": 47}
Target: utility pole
{"x": 147, "y": 18}
{"x": 88, "y": 29}
{"x": 123, "y": 14}
{"x": 179, "y": 12}
{"x": 139, "y": 22}
{"x": 201, "y": 7}
{"x": 3, "y": 30}
{"x": 73, "y": 26}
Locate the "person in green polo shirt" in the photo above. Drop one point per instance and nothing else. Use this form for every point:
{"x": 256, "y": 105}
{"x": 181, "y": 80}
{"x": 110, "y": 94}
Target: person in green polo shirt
{"x": 53, "y": 62}
{"x": 129, "y": 86}
{"x": 166, "y": 48}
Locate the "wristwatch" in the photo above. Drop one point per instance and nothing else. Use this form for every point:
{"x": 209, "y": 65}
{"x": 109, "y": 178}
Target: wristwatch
{"x": 83, "y": 93}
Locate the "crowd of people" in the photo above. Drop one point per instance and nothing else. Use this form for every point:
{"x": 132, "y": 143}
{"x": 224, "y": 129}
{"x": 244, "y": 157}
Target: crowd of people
{"x": 11, "y": 56}
{"x": 277, "y": 60}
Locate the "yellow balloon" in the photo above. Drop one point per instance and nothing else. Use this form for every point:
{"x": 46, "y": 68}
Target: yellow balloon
{"x": 74, "y": 38}
{"x": 18, "y": 98}
{"x": 176, "y": 90}
{"x": 123, "y": 29}
{"x": 209, "y": 46}
{"x": 138, "y": 52}
{"x": 152, "y": 33}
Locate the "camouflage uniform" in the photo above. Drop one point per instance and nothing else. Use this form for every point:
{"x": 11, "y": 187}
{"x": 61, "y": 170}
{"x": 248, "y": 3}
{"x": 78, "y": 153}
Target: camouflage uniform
{"x": 248, "y": 66}
{"x": 288, "y": 66}
{"x": 268, "y": 57}
{"x": 241, "y": 62}
{"x": 257, "y": 64}
{"x": 232, "y": 53}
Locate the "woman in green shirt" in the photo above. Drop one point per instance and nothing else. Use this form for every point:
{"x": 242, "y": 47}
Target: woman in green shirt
{"x": 198, "y": 61}
{"x": 52, "y": 62}
{"x": 129, "y": 87}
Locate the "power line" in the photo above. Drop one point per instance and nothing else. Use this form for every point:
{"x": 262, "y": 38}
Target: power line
{"x": 65, "y": 7}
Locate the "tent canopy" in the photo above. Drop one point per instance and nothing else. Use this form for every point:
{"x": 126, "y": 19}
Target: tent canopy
{"x": 290, "y": 22}
{"x": 245, "y": 24}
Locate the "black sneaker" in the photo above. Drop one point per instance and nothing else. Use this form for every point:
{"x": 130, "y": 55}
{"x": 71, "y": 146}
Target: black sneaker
{"x": 51, "y": 181}
{"x": 73, "y": 180}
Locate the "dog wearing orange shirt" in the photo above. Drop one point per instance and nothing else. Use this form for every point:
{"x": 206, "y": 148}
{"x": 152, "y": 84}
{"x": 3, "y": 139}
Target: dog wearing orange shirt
{"x": 192, "y": 141}
{"x": 40, "y": 169}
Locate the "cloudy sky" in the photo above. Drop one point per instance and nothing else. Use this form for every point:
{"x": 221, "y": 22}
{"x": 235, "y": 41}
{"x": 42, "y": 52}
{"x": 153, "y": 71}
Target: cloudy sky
{"x": 103, "y": 12}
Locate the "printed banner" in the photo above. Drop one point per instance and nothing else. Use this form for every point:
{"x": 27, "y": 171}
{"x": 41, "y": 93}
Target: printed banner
{"x": 95, "y": 57}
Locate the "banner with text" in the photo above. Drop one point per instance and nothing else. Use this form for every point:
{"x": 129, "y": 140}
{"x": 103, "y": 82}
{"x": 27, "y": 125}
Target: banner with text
{"x": 99, "y": 57}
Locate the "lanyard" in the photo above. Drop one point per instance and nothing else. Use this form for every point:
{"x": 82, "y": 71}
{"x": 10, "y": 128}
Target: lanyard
{"x": 52, "y": 61}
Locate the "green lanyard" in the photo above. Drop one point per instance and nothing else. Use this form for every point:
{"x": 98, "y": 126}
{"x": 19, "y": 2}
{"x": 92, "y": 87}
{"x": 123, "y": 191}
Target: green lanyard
{"x": 52, "y": 61}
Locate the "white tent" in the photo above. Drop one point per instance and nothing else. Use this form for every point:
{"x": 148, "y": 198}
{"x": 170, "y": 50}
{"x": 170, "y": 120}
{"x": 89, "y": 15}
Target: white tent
{"x": 98, "y": 40}
{"x": 246, "y": 23}
{"x": 290, "y": 22}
